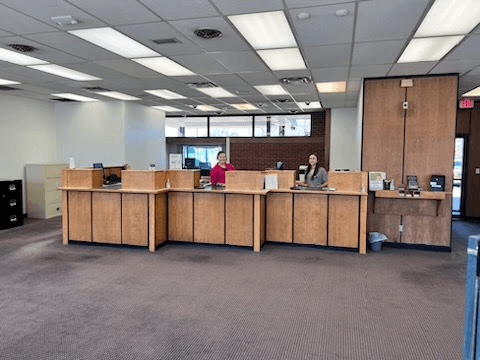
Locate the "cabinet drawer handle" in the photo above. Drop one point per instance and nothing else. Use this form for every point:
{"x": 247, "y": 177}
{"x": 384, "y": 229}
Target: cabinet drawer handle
{"x": 13, "y": 218}
{"x": 13, "y": 202}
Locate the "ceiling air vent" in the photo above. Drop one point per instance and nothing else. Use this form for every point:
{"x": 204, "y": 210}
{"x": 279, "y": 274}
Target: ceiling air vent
{"x": 208, "y": 33}
{"x": 201, "y": 85}
{"x": 63, "y": 100}
{"x": 296, "y": 80}
{"x": 22, "y": 48}
{"x": 167, "y": 41}
{"x": 7, "y": 88}
{"x": 95, "y": 89}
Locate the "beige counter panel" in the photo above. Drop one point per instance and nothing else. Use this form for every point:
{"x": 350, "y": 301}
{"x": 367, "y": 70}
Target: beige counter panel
{"x": 209, "y": 218}
{"x": 180, "y": 216}
{"x": 343, "y": 221}
{"x": 279, "y": 217}
{"x": 310, "y": 219}
{"x": 160, "y": 213}
{"x": 106, "y": 218}
{"x": 143, "y": 179}
{"x": 79, "y": 216}
{"x": 239, "y": 220}
{"x": 135, "y": 219}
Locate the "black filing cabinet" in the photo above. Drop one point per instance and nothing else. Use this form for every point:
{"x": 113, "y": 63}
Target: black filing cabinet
{"x": 11, "y": 209}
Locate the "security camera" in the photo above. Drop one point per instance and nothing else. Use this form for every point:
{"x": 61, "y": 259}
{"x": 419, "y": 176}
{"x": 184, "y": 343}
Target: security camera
{"x": 219, "y": 112}
{"x": 194, "y": 106}
{"x": 307, "y": 103}
{"x": 260, "y": 104}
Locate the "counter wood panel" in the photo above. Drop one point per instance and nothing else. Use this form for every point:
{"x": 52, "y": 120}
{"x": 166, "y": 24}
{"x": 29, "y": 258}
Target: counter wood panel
{"x": 209, "y": 218}
{"x": 135, "y": 219}
{"x": 386, "y": 224}
{"x": 64, "y": 217}
{"x": 279, "y": 217}
{"x": 239, "y": 219}
{"x": 310, "y": 219}
{"x": 106, "y": 218}
{"x": 180, "y": 216}
{"x": 343, "y": 221}
{"x": 160, "y": 218}
{"x": 79, "y": 216}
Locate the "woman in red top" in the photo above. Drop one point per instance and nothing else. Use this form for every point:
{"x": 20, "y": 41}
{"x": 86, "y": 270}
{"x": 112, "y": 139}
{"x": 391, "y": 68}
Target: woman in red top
{"x": 217, "y": 175}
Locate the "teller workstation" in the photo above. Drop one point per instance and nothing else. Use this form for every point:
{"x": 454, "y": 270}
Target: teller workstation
{"x": 151, "y": 207}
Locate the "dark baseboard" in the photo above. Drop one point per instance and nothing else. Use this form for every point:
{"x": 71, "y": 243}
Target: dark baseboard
{"x": 418, "y": 247}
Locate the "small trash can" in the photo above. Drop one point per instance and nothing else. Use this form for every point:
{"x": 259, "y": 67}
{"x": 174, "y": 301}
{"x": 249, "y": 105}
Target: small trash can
{"x": 375, "y": 240}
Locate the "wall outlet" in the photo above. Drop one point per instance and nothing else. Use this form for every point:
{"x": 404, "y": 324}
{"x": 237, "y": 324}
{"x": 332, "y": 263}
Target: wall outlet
{"x": 405, "y": 105}
{"x": 400, "y": 228}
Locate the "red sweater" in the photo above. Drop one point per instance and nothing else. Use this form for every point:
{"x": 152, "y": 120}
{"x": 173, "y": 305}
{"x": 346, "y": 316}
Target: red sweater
{"x": 217, "y": 175}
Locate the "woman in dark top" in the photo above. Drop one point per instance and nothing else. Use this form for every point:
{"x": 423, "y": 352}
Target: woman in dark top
{"x": 217, "y": 175}
{"x": 315, "y": 175}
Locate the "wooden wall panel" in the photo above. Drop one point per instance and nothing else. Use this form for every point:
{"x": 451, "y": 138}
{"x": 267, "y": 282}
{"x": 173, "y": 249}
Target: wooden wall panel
{"x": 426, "y": 230}
{"x": 209, "y": 218}
{"x": 239, "y": 219}
{"x": 430, "y": 129}
{"x": 79, "y": 216}
{"x": 135, "y": 219}
{"x": 343, "y": 221}
{"x": 472, "y": 194}
{"x": 180, "y": 216}
{"x": 463, "y": 121}
{"x": 280, "y": 217}
{"x": 106, "y": 218}
{"x": 160, "y": 218}
{"x": 385, "y": 224}
{"x": 383, "y": 125}
{"x": 310, "y": 219}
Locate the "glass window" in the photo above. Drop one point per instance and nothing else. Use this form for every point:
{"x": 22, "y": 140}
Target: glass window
{"x": 203, "y": 155}
{"x": 283, "y": 125}
{"x": 231, "y": 126}
{"x": 186, "y": 127}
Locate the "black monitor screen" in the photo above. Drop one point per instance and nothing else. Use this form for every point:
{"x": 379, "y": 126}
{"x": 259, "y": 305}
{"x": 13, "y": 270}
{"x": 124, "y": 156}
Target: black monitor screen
{"x": 98, "y": 166}
{"x": 190, "y": 163}
{"x": 280, "y": 165}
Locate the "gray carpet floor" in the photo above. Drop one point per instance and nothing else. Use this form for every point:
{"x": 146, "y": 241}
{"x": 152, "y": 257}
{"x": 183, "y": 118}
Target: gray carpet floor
{"x": 218, "y": 302}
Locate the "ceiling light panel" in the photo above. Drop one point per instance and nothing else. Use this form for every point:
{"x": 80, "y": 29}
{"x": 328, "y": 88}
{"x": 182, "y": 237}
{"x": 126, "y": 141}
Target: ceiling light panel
{"x": 115, "y": 42}
{"x": 268, "y": 30}
{"x": 8, "y": 82}
{"x": 331, "y": 87}
{"x": 450, "y": 17}
{"x": 216, "y": 92}
{"x": 310, "y": 105}
{"x": 166, "y": 94}
{"x": 206, "y": 108}
{"x": 118, "y": 95}
{"x": 166, "y": 108}
{"x": 64, "y": 72}
{"x": 271, "y": 89}
{"x": 164, "y": 66}
{"x": 19, "y": 59}
{"x": 429, "y": 49}
{"x": 283, "y": 59}
{"x": 244, "y": 106}
{"x": 74, "y": 97}
{"x": 474, "y": 92}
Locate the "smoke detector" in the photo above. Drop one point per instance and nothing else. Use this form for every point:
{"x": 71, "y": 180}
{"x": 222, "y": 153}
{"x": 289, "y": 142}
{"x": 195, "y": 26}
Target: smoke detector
{"x": 64, "y": 20}
{"x": 208, "y": 33}
{"x": 22, "y": 48}
{"x": 296, "y": 80}
{"x": 341, "y": 12}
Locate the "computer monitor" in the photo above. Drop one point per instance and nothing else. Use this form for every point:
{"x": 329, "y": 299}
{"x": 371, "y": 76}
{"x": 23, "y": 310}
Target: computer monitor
{"x": 280, "y": 165}
{"x": 190, "y": 163}
{"x": 204, "y": 168}
{"x": 98, "y": 166}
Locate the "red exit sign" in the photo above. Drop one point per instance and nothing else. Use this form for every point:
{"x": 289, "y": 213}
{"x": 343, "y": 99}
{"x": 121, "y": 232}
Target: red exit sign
{"x": 466, "y": 104}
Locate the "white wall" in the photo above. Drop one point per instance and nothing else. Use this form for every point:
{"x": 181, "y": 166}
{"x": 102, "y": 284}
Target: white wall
{"x": 27, "y": 136}
{"x": 345, "y": 144}
{"x": 144, "y": 137}
{"x": 91, "y": 132}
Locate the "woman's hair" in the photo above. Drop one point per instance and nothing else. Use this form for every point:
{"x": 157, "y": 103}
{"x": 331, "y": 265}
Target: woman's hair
{"x": 219, "y": 153}
{"x": 309, "y": 167}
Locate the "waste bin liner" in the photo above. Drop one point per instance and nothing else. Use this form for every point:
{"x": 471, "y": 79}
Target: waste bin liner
{"x": 375, "y": 240}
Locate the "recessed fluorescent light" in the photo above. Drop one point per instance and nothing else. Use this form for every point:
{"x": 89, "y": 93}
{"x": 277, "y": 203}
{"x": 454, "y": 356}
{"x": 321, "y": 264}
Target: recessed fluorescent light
{"x": 8, "y": 82}
{"x": 118, "y": 95}
{"x": 429, "y": 49}
{"x": 217, "y": 92}
{"x": 74, "y": 97}
{"x": 271, "y": 89}
{"x": 474, "y": 92}
{"x": 450, "y": 17}
{"x": 206, "y": 108}
{"x": 268, "y": 30}
{"x": 64, "y": 72}
{"x": 166, "y": 94}
{"x": 310, "y": 105}
{"x": 331, "y": 87}
{"x": 19, "y": 59}
{"x": 164, "y": 66}
{"x": 244, "y": 106}
{"x": 115, "y": 42}
{"x": 283, "y": 59}
{"x": 166, "y": 108}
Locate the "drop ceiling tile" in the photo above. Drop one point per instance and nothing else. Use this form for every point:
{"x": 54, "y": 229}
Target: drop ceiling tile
{"x": 129, "y": 67}
{"x": 247, "y": 7}
{"x": 259, "y": 78}
{"x": 305, "y": 3}
{"x": 73, "y": 45}
{"x": 328, "y": 56}
{"x": 27, "y": 75}
{"x": 4, "y": 33}
{"x": 331, "y": 104}
{"x": 291, "y": 73}
{"x": 117, "y": 12}
{"x": 306, "y": 97}
{"x": 17, "y": 23}
{"x": 468, "y": 49}
{"x": 146, "y": 33}
{"x": 181, "y": 9}
{"x": 300, "y": 89}
{"x": 240, "y": 61}
{"x": 189, "y": 79}
{"x": 323, "y": 27}
{"x": 330, "y": 74}
{"x": 332, "y": 97}
{"x": 201, "y": 64}
{"x": 475, "y": 71}
{"x": 377, "y": 53}
{"x": 229, "y": 41}
{"x": 419, "y": 68}
{"x": 354, "y": 86}
{"x": 227, "y": 80}
{"x": 386, "y": 20}
{"x": 468, "y": 82}
{"x": 455, "y": 66}
{"x": 367, "y": 71}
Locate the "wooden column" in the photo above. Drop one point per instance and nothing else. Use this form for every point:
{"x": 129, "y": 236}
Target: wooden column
{"x": 65, "y": 217}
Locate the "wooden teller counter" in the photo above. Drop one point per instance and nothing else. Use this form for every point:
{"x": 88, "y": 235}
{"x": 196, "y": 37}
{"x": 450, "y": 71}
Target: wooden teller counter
{"x": 143, "y": 211}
